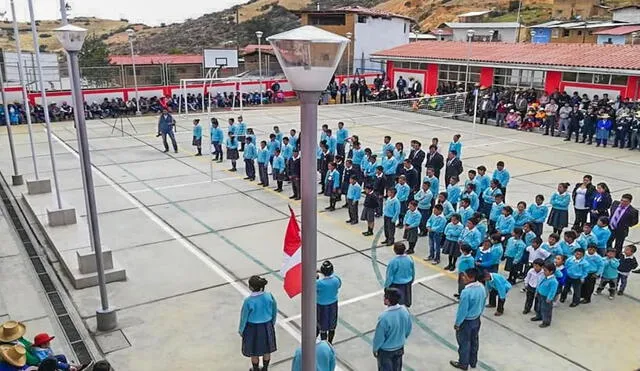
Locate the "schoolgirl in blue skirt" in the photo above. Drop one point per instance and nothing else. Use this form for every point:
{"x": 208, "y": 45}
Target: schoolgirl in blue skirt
{"x": 327, "y": 288}
{"x": 559, "y": 215}
{"x": 257, "y": 320}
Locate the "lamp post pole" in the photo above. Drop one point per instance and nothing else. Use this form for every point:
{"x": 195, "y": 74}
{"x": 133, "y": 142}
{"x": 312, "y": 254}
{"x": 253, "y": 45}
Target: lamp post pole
{"x": 259, "y": 36}
{"x": 16, "y": 178}
{"x": 349, "y": 36}
{"x": 72, "y": 37}
{"x": 45, "y": 105}
{"x": 533, "y": 35}
{"x": 470, "y": 34}
{"x": 131, "y": 35}
{"x": 440, "y": 35}
{"x": 25, "y": 98}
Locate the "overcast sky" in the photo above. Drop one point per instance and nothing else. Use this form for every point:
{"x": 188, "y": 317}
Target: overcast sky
{"x": 151, "y": 12}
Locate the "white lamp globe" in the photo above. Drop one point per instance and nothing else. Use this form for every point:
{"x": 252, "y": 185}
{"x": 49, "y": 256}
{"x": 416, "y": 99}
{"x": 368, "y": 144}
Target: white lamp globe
{"x": 308, "y": 56}
{"x": 71, "y": 37}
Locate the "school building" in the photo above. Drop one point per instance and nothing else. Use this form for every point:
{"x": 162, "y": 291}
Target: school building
{"x": 585, "y": 68}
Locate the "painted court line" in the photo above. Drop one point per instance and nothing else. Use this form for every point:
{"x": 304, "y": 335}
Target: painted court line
{"x": 184, "y": 242}
{"x": 370, "y": 295}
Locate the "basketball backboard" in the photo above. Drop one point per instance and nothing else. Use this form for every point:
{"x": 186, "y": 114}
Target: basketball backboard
{"x": 215, "y": 58}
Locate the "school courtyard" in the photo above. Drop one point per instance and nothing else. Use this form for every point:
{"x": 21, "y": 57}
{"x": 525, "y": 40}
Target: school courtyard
{"x": 189, "y": 234}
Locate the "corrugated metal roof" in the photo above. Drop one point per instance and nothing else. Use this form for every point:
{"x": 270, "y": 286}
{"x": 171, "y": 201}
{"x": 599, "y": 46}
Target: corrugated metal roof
{"x": 622, "y": 30}
{"x": 473, "y": 14}
{"x": 625, "y": 57}
{"x": 157, "y": 59}
{"x": 355, "y": 9}
{"x": 492, "y": 25}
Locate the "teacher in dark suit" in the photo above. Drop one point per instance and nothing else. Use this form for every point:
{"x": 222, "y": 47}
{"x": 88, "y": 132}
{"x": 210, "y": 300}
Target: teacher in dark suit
{"x": 417, "y": 156}
{"x": 435, "y": 160}
{"x": 454, "y": 167}
{"x": 623, "y": 217}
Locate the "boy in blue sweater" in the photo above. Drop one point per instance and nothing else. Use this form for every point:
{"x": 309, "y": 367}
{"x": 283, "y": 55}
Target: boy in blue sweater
{"x": 502, "y": 175}
{"x": 217, "y": 137}
{"x": 263, "y": 162}
{"x": 496, "y": 212}
{"x": 392, "y": 330}
{"x": 545, "y": 294}
{"x": 411, "y": 223}
{"x": 354, "y": 193}
{"x": 401, "y": 273}
{"x": 596, "y": 266}
{"x": 402, "y": 194}
{"x": 424, "y": 198}
{"x": 250, "y": 154}
{"x": 465, "y": 262}
{"x": 538, "y": 213}
{"x": 467, "y": 323}
{"x": 577, "y": 270}
{"x": 435, "y": 228}
{"x": 391, "y": 213}
{"x": 498, "y": 287}
{"x": 609, "y": 273}
{"x": 325, "y": 357}
{"x": 513, "y": 253}
{"x": 197, "y": 136}
{"x": 602, "y": 233}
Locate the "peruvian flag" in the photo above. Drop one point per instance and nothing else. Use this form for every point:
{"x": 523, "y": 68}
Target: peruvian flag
{"x": 292, "y": 265}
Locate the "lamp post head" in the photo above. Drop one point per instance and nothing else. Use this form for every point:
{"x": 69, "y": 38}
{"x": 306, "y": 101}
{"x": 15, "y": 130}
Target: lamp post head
{"x": 470, "y": 34}
{"x": 71, "y": 37}
{"x": 349, "y": 35}
{"x": 259, "y": 34}
{"x": 439, "y": 32}
{"x": 308, "y": 56}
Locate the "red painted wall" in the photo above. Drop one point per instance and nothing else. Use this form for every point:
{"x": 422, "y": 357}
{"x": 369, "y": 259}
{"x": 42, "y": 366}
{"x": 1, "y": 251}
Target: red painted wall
{"x": 632, "y": 87}
{"x": 486, "y": 76}
{"x": 431, "y": 84}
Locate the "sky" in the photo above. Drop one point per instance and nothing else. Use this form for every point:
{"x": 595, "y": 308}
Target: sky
{"x": 150, "y": 12}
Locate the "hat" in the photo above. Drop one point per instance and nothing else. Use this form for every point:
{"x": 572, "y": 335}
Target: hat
{"x": 42, "y": 339}
{"x": 540, "y": 109}
{"x": 605, "y": 116}
{"x": 512, "y": 110}
{"x": 11, "y": 331}
{"x": 14, "y": 355}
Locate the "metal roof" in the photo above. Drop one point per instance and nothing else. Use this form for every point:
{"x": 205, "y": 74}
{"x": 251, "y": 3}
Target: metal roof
{"x": 476, "y": 13}
{"x": 492, "y": 25}
{"x": 618, "y": 31}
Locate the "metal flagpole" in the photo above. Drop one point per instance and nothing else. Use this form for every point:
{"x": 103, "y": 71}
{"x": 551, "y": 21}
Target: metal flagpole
{"x": 16, "y": 178}
{"x": 25, "y": 97}
{"x": 45, "y": 105}
{"x": 475, "y": 114}
{"x": 210, "y": 149}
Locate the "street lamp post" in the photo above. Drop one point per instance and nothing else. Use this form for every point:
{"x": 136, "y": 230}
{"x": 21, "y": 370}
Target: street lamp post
{"x": 309, "y": 57}
{"x": 439, "y": 34}
{"x": 131, "y": 34}
{"x": 349, "y": 36}
{"x": 37, "y": 186}
{"x": 16, "y": 178}
{"x": 470, "y": 34}
{"x": 60, "y": 216}
{"x": 533, "y": 36}
{"x": 259, "y": 36}
{"x": 72, "y": 37}
{"x": 634, "y": 36}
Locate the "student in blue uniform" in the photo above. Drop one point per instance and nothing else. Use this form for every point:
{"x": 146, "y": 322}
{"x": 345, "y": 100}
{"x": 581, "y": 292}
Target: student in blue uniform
{"x": 392, "y": 330}
{"x": 470, "y": 193}
{"x": 435, "y": 229}
{"x": 454, "y": 192}
{"x": 470, "y": 236}
{"x": 369, "y": 209}
{"x": 391, "y": 213}
{"x": 529, "y": 235}
{"x": 357, "y": 156}
{"x": 609, "y": 273}
{"x": 278, "y": 134}
{"x": 257, "y": 320}
{"x": 496, "y": 212}
{"x": 498, "y": 287}
{"x": 545, "y": 294}
{"x": 497, "y": 250}
{"x": 401, "y": 273}
{"x": 483, "y": 182}
{"x": 596, "y": 266}
{"x": 521, "y": 215}
{"x": 465, "y": 210}
{"x": 559, "y": 215}
{"x": 424, "y": 197}
{"x": 232, "y": 150}
{"x": 587, "y": 237}
{"x": 602, "y": 233}
{"x": 447, "y": 208}
{"x": 252, "y": 135}
{"x": 411, "y": 223}
{"x": 389, "y": 165}
{"x": 217, "y": 137}
{"x": 434, "y": 182}
{"x": 272, "y": 145}
{"x": 263, "y": 162}
{"x": 294, "y": 139}
{"x": 467, "y": 322}
{"x": 488, "y": 198}
{"x": 452, "y": 233}
{"x": 250, "y": 154}
{"x": 402, "y": 193}
{"x": 327, "y": 290}
{"x": 197, "y": 137}
{"x": 456, "y": 145}
{"x": 502, "y": 176}
{"x": 514, "y": 253}
{"x": 465, "y": 263}
{"x": 286, "y": 151}
{"x": 278, "y": 167}
{"x": 387, "y": 146}
{"x": 538, "y": 213}
{"x": 332, "y": 186}
{"x": 354, "y": 193}
{"x": 342, "y": 135}
{"x": 577, "y": 270}
{"x": 325, "y": 357}
{"x": 241, "y": 132}
{"x": 332, "y": 143}
{"x": 505, "y": 223}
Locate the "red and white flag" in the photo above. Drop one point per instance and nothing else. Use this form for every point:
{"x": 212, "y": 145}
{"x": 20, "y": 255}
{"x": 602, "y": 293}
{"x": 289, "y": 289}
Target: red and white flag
{"x": 292, "y": 266}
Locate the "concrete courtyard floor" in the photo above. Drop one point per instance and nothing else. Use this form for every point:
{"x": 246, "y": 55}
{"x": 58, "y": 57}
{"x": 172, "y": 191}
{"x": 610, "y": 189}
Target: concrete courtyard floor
{"x": 189, "y": 244}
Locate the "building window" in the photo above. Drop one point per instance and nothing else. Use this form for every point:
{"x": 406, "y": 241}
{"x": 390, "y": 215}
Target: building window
{"x": 515, "y": 78}
{"x": 585, "y": 77}
{"x": 363, "y": 19}
{"x": 570, "y": 76}
{"x": 327, "y": 19}
{"x": 555, "y": 33}
{"x": 458, "y": 73}
{"x": 619, "y": 80}
{"x": 597, "y": 78}
{"x": 565, "y": 33}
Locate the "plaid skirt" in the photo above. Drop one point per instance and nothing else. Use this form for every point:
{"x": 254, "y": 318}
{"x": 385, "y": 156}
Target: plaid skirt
{"x": 258, "y": 339}
{"x": 451, "y": 248}
{"x": 368, "y": 214}
{"x": 558, "y": 218}
{"x": 232, "y": 154}
{"x": 196, "y": 142}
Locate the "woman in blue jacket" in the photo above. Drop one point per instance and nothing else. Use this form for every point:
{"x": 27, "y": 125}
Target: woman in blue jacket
{"x": 257, "y": 320}
{"x": 559, "y": 215}
{"x": 603, "y": 128}
{"x": 601, "y": 203}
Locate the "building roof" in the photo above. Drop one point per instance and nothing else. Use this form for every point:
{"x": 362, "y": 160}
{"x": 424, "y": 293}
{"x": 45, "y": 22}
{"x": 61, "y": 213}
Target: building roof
{"x": 474, "y": 14}
{"x": 618, "y": 31}
{"x": 626, "y": 7}
{"x": 488, "y": 25}
{"x": 445, "y": 31}
{"x": 622, "y": 57}
{"x": 422, "y": 36}
{"x": 157, "y": 59}
{"x": 358, "y": 10}
{"x": 252, "y": 48}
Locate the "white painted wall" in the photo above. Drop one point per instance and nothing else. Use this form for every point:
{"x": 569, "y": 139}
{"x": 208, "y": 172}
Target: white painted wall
{"x": 508, "y": 35}
{"x": 375, "y": 35}
{"x": 631, "y": 15}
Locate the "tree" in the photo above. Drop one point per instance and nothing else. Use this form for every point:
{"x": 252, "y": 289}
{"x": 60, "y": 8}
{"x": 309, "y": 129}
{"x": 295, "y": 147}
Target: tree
{"x": 94, "y": 62}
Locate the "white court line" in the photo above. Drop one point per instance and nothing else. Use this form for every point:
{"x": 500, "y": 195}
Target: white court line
{"x": 190, "y": 247}
{"x": 370, "y": 295}
{"x": 183, "y": 185}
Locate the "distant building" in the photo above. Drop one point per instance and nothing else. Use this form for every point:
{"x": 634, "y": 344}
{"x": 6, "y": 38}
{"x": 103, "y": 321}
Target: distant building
{"x": 619, "y": 35}
{"x": 629, "y": 14}
{"x": 270, "y": 65}
{"x": 413, "y": 37}
{"x": 562, "y": 32}
{"x": 159, "y": 69}
{"x": 586, "y": 9}
{"x": 484, "y": 32}
{"x": 442, "y": 34}
{"x": 474, "y": 17}
{"x": 370, "y": 29}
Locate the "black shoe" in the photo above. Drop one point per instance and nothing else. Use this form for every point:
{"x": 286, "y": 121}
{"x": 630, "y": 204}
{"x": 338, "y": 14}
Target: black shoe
{"x": 457, "y": 365}
{"x": 232, "y": 170}
{"x": 260, "y": 183}
{"x": 354, "y": 222}
{"x": 544, "y": 325}
{"x": 198, "y": 154}
{"x": 367, "y": 233}
{"x": 562, "y": 300}
{"x": 567, "y": 140}
{"x": 410, "y": 251}
{"x": 620, "y": 293}
{"x": 536, "y": 319}
{"x": 637, "y": 271}
{"x": 292, "y": 197}
{"x": 320, "y": 193}
{"x": 348, "y": 221}
{"x": 389, "y": 243}
{"x": 452, "y": 268}
{"x": 573, "y": 305}
{"x": 585, "y": 301}
{"x": 327, "y": 208}
{"x": 456, "y": 295}
{"x": 165, "y": 151}
{"x": 278, "y": 190}
{"x": 490, "y": 306}
{"x": 526, "y": 311}
{"x": 246, "y": 178}
{"x": 297, "y": 198}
